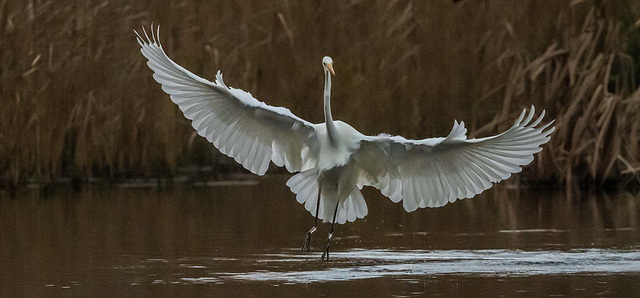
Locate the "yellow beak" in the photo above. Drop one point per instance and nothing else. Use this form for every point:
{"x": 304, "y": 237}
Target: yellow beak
{"x": 330, "y": 67}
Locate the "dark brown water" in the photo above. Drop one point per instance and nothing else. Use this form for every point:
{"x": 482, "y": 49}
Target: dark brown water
{"x": 243, "y": 240}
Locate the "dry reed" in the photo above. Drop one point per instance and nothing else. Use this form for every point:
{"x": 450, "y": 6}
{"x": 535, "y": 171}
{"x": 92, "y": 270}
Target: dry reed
{"x": 78, "y": 101}
{"x": 586, "y": 78}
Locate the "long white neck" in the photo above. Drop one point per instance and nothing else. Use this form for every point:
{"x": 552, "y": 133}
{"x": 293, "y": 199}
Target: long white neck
{"x": 331, "y": 127}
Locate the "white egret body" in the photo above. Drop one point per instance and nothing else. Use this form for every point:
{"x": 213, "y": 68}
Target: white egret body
{"x": 334, "y": 160}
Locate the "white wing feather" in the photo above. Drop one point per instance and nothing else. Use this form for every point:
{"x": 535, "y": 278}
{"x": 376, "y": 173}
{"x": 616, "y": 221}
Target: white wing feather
{"x": 240, "y": 126}
{"x": 433, "y": 172}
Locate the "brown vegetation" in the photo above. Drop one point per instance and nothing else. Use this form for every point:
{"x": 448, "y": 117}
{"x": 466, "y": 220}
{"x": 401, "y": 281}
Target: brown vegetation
{"x": 78, "y": 101}
{"x": 586, "y": 78}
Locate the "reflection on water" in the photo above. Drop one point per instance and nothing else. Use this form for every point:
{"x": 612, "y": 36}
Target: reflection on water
{"x": 243, "y": 239}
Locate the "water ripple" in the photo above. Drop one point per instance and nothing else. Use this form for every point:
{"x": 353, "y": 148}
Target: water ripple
{"x": 365, "y": 264}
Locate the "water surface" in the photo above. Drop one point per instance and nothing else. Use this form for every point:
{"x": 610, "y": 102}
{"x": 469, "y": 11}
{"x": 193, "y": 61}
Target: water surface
{"x": 243, "y": 239}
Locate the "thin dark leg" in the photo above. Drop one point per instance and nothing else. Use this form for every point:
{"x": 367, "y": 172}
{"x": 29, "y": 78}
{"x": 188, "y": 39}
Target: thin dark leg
{"x": 333, "y": 224}
{"x": 306, "y": 245}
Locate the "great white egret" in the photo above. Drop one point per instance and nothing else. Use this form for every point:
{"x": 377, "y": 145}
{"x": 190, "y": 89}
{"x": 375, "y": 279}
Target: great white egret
{"x": 334, "y": 160}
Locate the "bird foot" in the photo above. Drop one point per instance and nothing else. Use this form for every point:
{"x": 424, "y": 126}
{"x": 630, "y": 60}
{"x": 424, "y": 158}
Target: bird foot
{"x": 306, "y": 245}
{"x": 326, "y": 252}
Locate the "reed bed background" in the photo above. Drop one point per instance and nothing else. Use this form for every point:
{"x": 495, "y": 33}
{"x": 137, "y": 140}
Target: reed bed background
{"x": 78, "y": 101}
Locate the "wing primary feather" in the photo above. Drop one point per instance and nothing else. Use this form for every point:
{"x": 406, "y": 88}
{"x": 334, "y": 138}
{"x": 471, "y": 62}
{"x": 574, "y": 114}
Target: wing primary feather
{"x": 494, "y": 157}
{"x": 458, "y": 184}
{"x": 444, "y": 180}
{"x": 535, "y": 123}
{"x": 493, "y": 174}
{"x": 466, "y": 179}
{"x": 407, "y": 197}
{"x": 230, "y": 140}
{"x": 484, "y": 178}
{"x": 421, "y": 189}
{"x": 438, "y": 190}
{"x": 250, "y": 137}
{"x": 145, "y": 33}
{"x": 252, "y": 154}
{"x": 517, "y": 122}
{"x": 475, "y": 173}
{"x": 532, "y": 112}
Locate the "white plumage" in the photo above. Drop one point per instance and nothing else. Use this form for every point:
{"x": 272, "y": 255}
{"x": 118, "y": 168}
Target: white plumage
{"x": 420, "y": 173}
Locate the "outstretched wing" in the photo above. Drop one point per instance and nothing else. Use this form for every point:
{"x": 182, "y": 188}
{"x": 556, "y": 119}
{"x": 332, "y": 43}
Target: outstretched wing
{"x": 433, "y": 172}
{"x": 250, "y": 131}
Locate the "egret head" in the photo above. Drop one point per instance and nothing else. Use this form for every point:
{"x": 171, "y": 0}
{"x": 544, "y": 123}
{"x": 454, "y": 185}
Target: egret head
{"x": 327, "y": 64}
